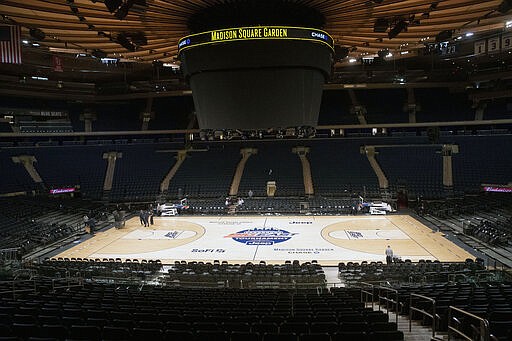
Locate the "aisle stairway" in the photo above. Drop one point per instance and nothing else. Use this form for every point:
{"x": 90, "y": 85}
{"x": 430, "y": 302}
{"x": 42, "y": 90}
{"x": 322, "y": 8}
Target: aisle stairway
{"x": 418, "y": 332}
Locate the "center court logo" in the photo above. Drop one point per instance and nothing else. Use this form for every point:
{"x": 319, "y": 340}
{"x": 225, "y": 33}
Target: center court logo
{"x": 261, "y": 236}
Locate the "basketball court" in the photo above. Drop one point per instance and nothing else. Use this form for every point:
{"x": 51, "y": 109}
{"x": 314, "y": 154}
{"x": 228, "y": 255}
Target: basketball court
{"x": 274, "y": 239}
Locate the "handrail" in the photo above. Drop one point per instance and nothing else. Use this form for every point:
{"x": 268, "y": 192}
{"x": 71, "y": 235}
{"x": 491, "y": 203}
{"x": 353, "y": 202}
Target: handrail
{"x": 495, "y": 260}
{"x": 68, "y": 281}
{"x": 367, "y": 293}
{"x": 9, "y": 254}
{"x": 483, "y": 332}
{"x": 14, "y": 290}
{"x": 388, "y": 300}
{"x": 283, "y": 285}
{"x": 432, "y": 315}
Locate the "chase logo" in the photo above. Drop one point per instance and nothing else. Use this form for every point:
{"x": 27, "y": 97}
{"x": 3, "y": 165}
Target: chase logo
{"x": 184, "y": 42}
{"x": 319, "y": 35}
{"x": 261, "y": 236}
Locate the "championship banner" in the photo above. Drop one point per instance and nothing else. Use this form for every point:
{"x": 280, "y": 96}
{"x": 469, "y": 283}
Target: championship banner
{"x": 480, "y": 47}
{"x": 255, "y": 33}
{"x": 493, "y": 44}
{"x": 506, "y": 42}
{"x": 57, "y": 64}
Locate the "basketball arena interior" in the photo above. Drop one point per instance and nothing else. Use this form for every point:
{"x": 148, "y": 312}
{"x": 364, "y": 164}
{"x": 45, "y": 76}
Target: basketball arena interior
{"x": 256, "y": 170}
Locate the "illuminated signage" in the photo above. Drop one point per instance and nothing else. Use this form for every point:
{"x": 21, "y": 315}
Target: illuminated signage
{"x": 62, "y": 190}
{"x": 497, "y": 189}
{"x": 255, "y": 33}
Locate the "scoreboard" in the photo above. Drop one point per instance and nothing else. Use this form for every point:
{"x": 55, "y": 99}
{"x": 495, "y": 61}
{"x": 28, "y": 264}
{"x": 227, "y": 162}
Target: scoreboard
{"x": 255, "y": 33}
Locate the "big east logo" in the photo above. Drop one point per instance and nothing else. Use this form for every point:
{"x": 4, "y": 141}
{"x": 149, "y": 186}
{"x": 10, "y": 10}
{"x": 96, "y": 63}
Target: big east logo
{"x": 261, "y": 236}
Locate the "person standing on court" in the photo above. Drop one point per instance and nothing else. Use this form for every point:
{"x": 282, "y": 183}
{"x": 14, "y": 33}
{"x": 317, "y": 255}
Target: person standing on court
{"x": 141, "y": 217}
{"x": 151, "y": 214}
{"x": 389, "y": 255}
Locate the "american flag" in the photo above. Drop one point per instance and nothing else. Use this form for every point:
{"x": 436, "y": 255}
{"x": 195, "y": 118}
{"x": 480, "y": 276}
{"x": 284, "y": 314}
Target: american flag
{"x": 10, "y": 44}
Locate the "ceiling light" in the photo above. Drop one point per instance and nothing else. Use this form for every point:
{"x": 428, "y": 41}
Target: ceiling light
{"x": 444, "y": 36}
{"x": 37, "y": 34}
{"x": 340, "y": 52}
{"x": 98, "y": 54}
{"x": 352, "y": 60}
{"x": 39, "y": 78}
{"x": 469, "y": 34}
{"x": 383, "y": 53}
{"x": 171, "y": 65}
{"x": 113, "y": 5}
{"x": 508, "y": 24}
{"x": 108, "y": 61}
{"x": 397, "y": 29}
{"x": 381, "y": 25}
{"x": 505, "y": 6}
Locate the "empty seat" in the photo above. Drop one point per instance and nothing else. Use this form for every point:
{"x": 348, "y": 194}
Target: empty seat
{"x": 500, "y": 329}
{"x": 280, "y": 337}
{"x": 181, "y": 335}
{"x": 265, "y": 327}
{"x": 205, "y": 326}
{"x": 315, "y": 337}
{"x": 387, "y": 335}
{"x": 294, "y": 327}
{"x": 348, "y": 336}
{"x": 115, "y": 333}
{"x": 236, "y": 326}
{"x": 150, "y": 324}
{"x": 245, "y": 336}
{"x": 5, "y": 330}
{"x": 214, "y": 335}
{"x": 25, "y": 330}
{"x": 147, "y": 334}
{"x": 383, "y": 326}
{"x": 85, "y": 332}
{"x": 324, "y": 327}
{"x": 57, "y": 331}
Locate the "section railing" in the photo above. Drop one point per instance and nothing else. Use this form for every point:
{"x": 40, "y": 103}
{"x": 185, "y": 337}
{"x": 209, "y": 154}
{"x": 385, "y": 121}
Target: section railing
{"x": 423, "y": 312}
{"x": 460, "y": 323}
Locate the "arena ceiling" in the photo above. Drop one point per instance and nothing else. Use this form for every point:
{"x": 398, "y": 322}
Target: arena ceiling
{"x": 138, "y": 33}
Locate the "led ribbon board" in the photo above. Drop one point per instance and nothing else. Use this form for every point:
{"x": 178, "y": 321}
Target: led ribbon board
{"x": 255, "y": 33}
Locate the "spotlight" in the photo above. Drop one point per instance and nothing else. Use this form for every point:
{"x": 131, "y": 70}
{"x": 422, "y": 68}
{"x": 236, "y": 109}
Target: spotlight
{"x": 37, "y": 34}
{"x": 99, "y": 54}
{"x": 157, "y": 64}
{"x": 444, "y": 36}
{"x": 381, "y": 25}
{"x": 122, "y": 40}
{"x": 383, "y": 53}
{"x": 138, "y": 38}
{"x": 122, "y": 12}
{"x": 137, "y": 6}
{"x": 505, "y": 6}
{"x": 113, "y": 5}
{"x": 397, "y": 29}
{"x": 340, "y": 52}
